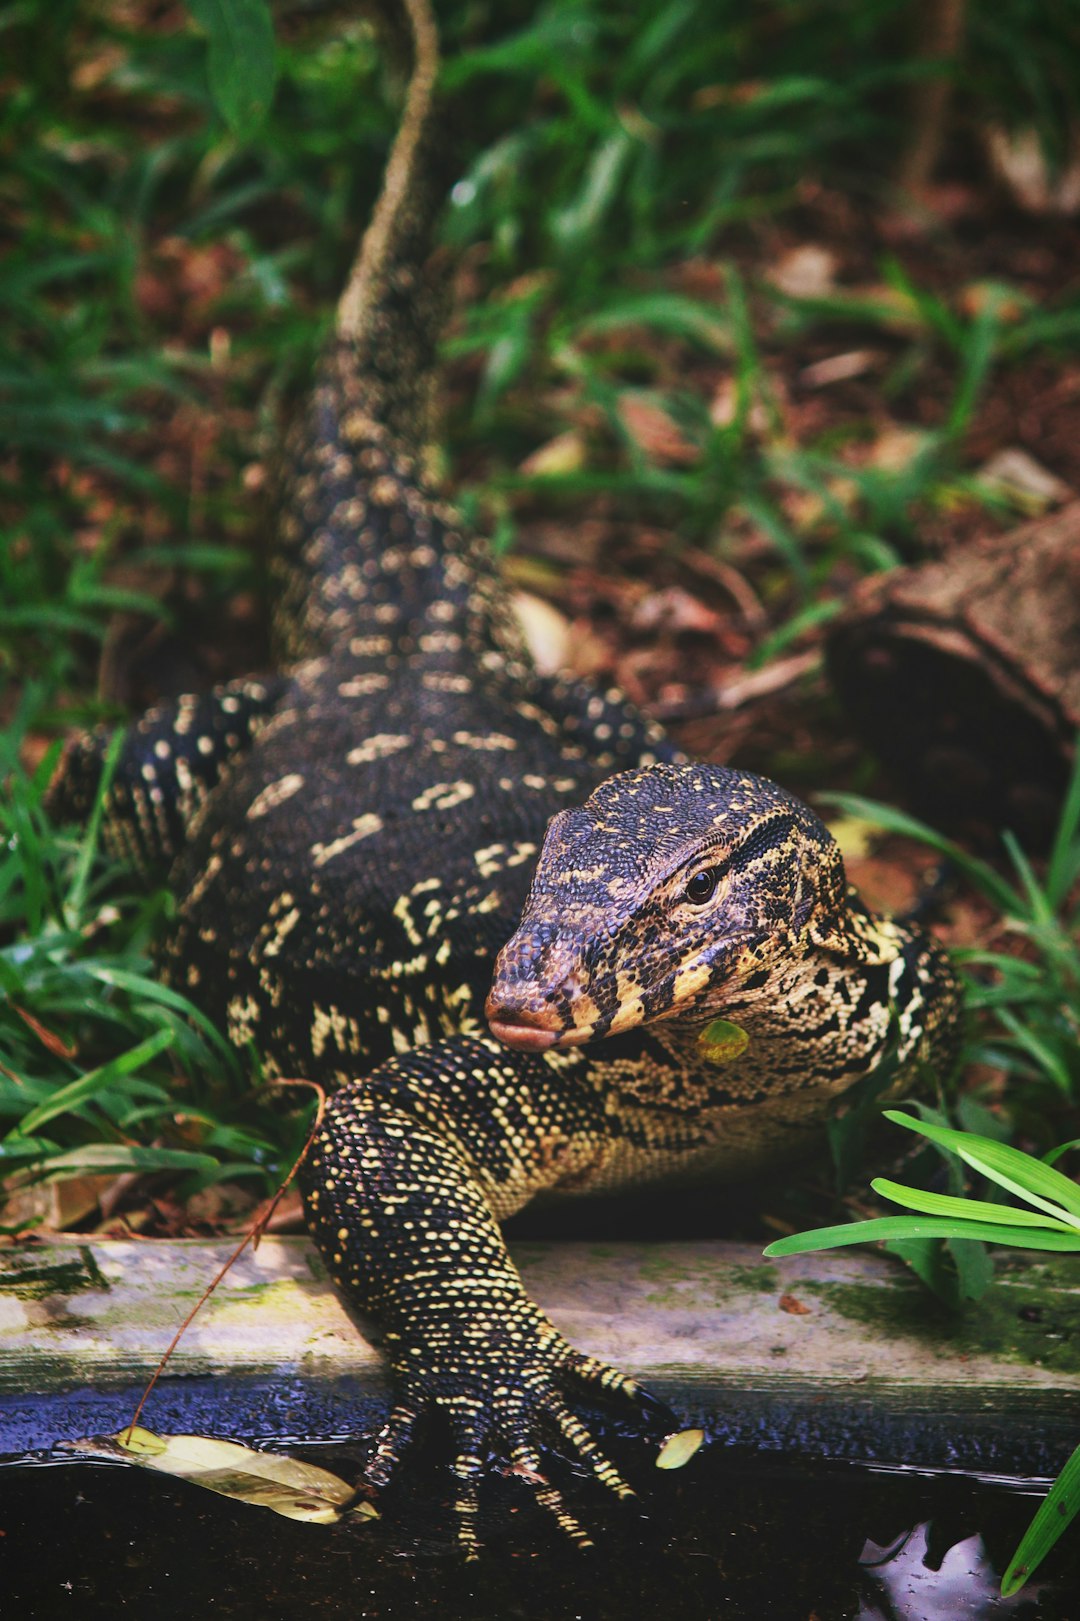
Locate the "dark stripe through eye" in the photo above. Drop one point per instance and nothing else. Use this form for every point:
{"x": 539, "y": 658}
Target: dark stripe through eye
{"x": 702, "y": 886}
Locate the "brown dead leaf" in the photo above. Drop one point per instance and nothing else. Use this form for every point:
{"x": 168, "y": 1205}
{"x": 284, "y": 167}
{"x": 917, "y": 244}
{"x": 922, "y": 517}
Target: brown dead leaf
{"x": 286, "y": 1215}
{"x": 895, "y": 448}
{"x": 793, "y": 1306}
{"x": 1016, "y": 474}
{"x": 48, "y": 1038}
{"x": 839, "y": 368}
{"x": 566, "y": 453}
{"x": 95, "y": 69}
{"x": 546, "y": 631}
{"x": 727, "y": 95}
{"x": 656, "y": 433}
{"x": 674, "y": 610}
{"x": 591, "y": 657}
{"x": 1018, "y": 158}
{"x": 725, "y": 404}
{"x": 288, "y": 1486}
{"x": 808, "y": 271}
{"x": 978, "y": 296}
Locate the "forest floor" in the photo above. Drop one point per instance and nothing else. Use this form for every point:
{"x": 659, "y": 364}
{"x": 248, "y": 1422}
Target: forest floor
{"x": 691, "y": 444}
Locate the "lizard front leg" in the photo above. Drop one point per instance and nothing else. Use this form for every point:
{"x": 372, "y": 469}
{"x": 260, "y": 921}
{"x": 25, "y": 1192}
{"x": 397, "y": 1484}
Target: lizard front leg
{"x": 169, "y": 761}
{"x": 405, "y": 1184}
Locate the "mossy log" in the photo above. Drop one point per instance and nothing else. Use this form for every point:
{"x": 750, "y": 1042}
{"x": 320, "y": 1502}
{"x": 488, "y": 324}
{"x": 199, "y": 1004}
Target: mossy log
{"x": 842, "y": 1354}
{"x": 963, "y": 676}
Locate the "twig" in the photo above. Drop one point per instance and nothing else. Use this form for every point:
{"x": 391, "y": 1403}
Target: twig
{"x": 252, "y": 1237}
{"x": 773, "y": 678}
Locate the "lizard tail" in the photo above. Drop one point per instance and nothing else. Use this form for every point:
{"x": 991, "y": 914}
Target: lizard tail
{"x": 401, "y": 223}
{"x": 366, "y": 553}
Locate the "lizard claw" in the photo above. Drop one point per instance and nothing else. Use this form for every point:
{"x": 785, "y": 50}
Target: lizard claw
{"x": 392, "y": 1440}
{"x": 612, "y": 1382}
{"x": 526, "y": 1463}
{"x": 586, "y": 1448}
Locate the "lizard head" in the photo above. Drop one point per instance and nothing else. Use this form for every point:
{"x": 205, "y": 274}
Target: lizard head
{"x": 671, "y": 889}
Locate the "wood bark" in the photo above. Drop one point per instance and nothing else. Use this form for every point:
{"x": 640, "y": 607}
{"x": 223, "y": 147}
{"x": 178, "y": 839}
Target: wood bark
{"x": 963, "y": 676}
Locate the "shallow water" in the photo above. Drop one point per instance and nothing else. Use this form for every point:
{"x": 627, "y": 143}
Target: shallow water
{"x": 735, "y": 1535}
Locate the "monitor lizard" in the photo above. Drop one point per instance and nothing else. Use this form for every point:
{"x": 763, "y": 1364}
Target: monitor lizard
{"x": 352, "y": 840}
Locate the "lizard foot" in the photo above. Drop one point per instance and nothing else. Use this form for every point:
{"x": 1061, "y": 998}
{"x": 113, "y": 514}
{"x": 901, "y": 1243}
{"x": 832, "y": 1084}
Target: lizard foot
{"x": 513, "y": 1409}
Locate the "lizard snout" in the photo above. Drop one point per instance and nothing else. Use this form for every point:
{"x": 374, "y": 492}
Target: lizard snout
{"x": 538, "y": 982}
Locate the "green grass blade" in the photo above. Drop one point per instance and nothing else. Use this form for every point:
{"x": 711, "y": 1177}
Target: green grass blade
{"x": 1062, "y": 1149}
{"x": 981, "y": 874}
{"x": 78, "y": 1091}
{"x": 112, "y": 1159}
{"x": 946, "y": 1204}
{"x": 977, "y": 355}
{"x": 1050, "y": 1062}
{"x": 76, "y": 897}
{"x": 242, "y": 59}
{"x": 139, "y": 985}
{"x": 894, "y": 1227}
{"x": 1064, "y": 864}
{"x": 1020, "y": 1173}
{"x": 1057, "y": 1511}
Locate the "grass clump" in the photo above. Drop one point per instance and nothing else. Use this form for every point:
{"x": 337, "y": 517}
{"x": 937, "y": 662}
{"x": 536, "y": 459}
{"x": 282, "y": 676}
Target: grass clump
{"x": 103, "y": 1069}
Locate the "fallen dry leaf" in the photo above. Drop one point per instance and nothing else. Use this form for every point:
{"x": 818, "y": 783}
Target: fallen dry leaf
{"x": 839, "y": 368}
{"x": 1018, "y": 158}
{"x": 546, "y": 632}
{"x": 678, "y": 1449}
{"x": 296, "y": 1490}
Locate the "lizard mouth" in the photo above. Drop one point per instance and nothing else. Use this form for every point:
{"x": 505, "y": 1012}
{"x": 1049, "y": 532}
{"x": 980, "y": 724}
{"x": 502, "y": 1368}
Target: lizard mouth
{"x": 530, "y": 1020}
{"x": 532, "y": 1029}
{"x": 525, "y": 1038}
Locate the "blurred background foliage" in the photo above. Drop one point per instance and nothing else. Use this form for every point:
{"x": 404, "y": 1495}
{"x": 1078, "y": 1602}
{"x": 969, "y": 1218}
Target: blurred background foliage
{"x": 666, "y": 217}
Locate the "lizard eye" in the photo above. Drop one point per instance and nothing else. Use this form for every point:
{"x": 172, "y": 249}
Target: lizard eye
{"x": 702, "y": 887}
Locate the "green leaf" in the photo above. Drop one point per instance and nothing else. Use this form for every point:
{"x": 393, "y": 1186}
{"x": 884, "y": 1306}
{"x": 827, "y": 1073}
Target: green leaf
{"x": 575, "y": 225}
{"x": 974, "y": 1267}
{"x": 967, "y": 1277}
{"x": 1063, "y": 1148}
{"x": 1057, "y": 1510}
{"x": 1028, "y": 1041}
{"x": 1061, "y": 869}
{"x": 1020, "y": 1173}
{"x": 242, "y": 59}
{"x": 139, "y": 985}
{"x": 944, "y": 1204}
{"x": 76, "y": 899}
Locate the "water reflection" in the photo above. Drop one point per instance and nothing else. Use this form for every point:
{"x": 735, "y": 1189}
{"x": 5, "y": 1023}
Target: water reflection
{"x": 909, "y": 1584}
